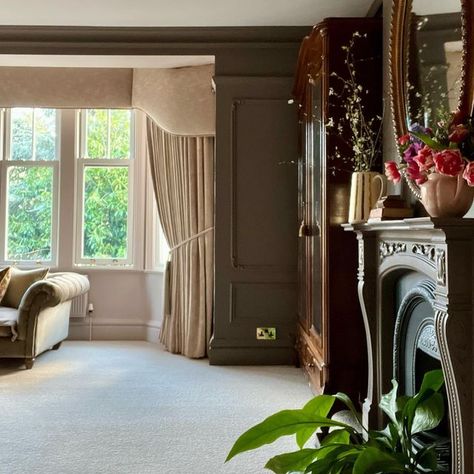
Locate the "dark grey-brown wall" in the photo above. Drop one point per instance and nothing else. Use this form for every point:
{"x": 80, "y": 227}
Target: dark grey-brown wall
{"x": 256, "y": 137}
{"x": 256, "y": 221}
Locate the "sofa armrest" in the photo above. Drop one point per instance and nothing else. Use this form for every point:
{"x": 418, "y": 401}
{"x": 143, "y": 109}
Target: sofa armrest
{"x": 56, "y": 289}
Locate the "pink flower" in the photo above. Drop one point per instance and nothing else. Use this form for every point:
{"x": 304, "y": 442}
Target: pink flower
{"x": 404, "y": 139}
{"x": 468, "y": 174}
{"x": 414, "y": 173}
{"x": 424, "y": 159}
{"x": 449, "y": 162}
{"x": 458, "y": 133}
{"x": 391, "y": 171}
{"x": 413, "y": 170}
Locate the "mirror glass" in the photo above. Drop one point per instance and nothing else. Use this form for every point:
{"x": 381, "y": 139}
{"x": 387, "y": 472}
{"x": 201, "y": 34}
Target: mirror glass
{"x": 434, "y": 60}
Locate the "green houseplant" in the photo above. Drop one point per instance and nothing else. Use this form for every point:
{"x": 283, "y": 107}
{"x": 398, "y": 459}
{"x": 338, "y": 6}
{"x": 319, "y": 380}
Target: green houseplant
{"x": 347, "y": 447}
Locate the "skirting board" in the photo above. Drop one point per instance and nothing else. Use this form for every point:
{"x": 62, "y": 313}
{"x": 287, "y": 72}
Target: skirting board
{"x": 115, "y": 330}
{"x": 252, "y": 356}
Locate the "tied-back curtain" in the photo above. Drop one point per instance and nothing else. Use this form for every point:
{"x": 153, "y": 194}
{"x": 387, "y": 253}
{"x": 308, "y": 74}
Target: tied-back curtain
{"x": 182, "y": 170}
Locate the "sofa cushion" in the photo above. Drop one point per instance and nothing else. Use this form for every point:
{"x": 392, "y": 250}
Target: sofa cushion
{"x": 20, "y": 281}
{"x": 5, "y": 276}
{"x": 8, "y": 322}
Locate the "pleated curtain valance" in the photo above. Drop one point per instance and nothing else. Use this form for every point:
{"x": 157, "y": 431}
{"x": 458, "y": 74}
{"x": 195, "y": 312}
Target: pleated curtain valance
{"x": 179, "y": 100}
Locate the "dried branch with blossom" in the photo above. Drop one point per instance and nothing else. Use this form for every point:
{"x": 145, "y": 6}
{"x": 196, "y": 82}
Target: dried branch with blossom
{"x": 365, "y": 138}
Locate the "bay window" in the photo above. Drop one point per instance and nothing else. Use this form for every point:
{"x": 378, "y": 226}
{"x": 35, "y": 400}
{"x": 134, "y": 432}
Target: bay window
{"x": 73, "y": 190}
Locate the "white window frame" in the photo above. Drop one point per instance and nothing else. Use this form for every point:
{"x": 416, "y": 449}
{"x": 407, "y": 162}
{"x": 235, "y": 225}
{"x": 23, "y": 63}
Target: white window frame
{"x": 5, "y": 164}
{"x": 156, "y": 248}
{"x": 81, "y": 164}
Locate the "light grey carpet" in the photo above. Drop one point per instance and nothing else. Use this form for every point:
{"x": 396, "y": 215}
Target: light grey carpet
{"x": 130, "y": 407}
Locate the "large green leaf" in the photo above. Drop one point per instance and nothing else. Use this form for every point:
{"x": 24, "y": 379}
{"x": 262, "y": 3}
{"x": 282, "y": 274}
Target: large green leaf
{"x": 303, "y": 435}
{"x": 427, "y": 140}
{"x": 320, "y": 406}
{"x": 283, "y": 423}
{"x": 339, "y": 436}
{"x": 297, "y": 461}
{"x": 350, "y": 418}
{"x": 433, "y": 380}
{"x": 333, "y": 460}
{"x": 428, "y": 414}
{"x": 342, "y": 397}
{"x": 388, "y": 402}
{"x": 426, "y": 458}
{"x": 432, "y": 383}
{"x": 376, "y": 461}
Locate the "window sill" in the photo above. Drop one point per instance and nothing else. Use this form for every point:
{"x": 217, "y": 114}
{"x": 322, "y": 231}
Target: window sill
{"x": 156, "y": 271}
{"x": 107, "y": 268}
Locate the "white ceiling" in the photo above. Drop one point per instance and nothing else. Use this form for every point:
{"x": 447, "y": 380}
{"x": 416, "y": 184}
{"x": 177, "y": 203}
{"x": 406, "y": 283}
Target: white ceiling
{"x": 176, "y": 12}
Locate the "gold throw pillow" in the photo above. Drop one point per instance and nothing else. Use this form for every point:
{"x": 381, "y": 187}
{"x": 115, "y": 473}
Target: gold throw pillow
{"x": 20, "y": 281}
{"x": 5, "y": 275}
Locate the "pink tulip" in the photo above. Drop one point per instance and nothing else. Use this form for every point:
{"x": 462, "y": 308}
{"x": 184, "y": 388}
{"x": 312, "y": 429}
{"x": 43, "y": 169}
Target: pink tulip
{"x": 468, "y": 174}
{"x": 391, "y": 171}
{"x": 449, "y": 162}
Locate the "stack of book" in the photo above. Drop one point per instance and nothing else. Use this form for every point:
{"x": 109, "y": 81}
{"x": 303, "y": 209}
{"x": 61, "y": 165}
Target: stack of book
{"x": 390, "y": 208}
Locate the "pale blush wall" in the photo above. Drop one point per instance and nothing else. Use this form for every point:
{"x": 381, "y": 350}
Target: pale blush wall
{"x": 128, "y": 304}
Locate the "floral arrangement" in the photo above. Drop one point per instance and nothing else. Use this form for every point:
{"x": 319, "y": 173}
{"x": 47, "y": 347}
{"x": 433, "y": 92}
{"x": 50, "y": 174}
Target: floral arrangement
{"x": 365, "y": 140}
{"x": 447, "y": 149}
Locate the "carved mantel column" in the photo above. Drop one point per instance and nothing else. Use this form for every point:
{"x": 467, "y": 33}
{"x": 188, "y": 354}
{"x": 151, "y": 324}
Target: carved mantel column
{"x": 442, "y": 250}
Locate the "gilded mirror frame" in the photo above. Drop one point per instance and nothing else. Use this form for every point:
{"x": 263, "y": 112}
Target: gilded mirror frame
{"x": 398, "y": 58}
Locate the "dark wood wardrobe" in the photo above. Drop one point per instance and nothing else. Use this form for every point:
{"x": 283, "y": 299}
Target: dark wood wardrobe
{"x": 330, "y": 339}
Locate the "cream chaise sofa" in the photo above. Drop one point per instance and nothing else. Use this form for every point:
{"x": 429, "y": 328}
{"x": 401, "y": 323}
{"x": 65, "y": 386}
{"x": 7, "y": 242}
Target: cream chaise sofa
{"x": 41, "y": 321}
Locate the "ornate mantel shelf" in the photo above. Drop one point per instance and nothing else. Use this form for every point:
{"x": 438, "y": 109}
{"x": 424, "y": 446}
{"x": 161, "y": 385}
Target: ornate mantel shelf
{"x": 442, "y": 250}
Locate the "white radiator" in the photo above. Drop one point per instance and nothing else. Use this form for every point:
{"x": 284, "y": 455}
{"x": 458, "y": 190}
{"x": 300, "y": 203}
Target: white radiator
{"x": 79, "y": 305}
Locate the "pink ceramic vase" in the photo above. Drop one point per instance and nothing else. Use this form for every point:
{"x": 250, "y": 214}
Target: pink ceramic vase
{"x": 446, "y": 196}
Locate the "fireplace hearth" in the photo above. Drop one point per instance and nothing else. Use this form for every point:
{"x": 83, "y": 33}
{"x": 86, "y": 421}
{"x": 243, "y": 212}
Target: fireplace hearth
{"x": 416, "y": 289}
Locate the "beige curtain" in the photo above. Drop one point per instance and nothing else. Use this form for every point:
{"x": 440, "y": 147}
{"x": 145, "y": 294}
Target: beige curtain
{"x": 182, "y": 170}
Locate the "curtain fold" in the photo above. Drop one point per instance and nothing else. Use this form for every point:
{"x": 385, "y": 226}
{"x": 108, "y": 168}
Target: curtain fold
{"x": 182, "y": 170}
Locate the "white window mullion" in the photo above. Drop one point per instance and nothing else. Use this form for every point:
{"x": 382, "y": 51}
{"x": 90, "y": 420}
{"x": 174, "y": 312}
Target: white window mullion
{"x": 33, "y": 135}
{"x": 109, "y": 124}
{"x": 80, "y": 183}
{"x": 3, "y": 208}
{"x": 7, "y": 137}
{"x": 55, "y": 216}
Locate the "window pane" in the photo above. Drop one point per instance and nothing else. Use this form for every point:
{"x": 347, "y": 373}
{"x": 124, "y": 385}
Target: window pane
{"x": 119, "y": 134}
{"x": 21, "y": 134}
{"x": 30, "y": 205}
{"x": 105, "y": 212}
{"x": 45, "y": 130}
{"x": 96, "y": 133}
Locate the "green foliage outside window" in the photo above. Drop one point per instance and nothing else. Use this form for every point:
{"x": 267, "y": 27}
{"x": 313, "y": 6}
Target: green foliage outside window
{"x": 30, "y": 189}
{"x": 105, "y": 142}
{"x": 105, "y": 212}
{"x": 30, "y": 202}
{"x": 106, "y": 187}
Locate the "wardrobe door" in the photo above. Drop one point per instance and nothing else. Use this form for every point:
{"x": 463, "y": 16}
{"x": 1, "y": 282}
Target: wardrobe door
{"x": 311, "y": 343}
